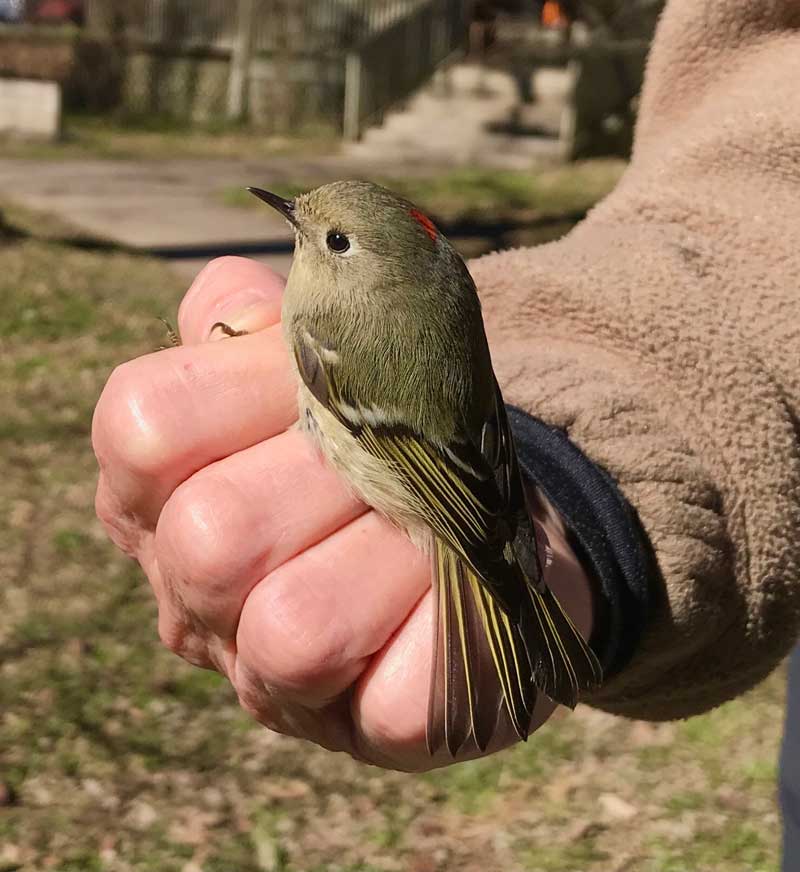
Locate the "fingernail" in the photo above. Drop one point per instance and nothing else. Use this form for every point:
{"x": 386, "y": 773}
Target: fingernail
{"x": 230, "y": 289}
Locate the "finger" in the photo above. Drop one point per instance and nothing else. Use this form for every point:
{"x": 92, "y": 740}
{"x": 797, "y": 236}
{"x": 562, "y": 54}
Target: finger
{"x": 164, "y": 416}
{"x": 240, "y": 519}
{"x": 328, "y": 727}
{"x": 390, "y": 702}
{"x": 309, "y": 628}
{"x": 243, "y": 293}
{"x": 177, "y": 628}
{"x": 140, "y": 544}
{"x": 123, "y": 531}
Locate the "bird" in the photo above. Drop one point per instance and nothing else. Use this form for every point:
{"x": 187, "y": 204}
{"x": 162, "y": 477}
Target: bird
{"x": 397, "y": 390}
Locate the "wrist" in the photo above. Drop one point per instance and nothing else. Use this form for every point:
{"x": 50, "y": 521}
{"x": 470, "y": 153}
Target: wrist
{"x": 608, "y": 583}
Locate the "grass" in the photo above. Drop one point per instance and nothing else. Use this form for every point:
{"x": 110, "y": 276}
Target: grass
{"x": 85, "y": 136}
{"x": 738, "y": 846}
{"x": 464, "y": 194}
{"x": 120, "y": 757}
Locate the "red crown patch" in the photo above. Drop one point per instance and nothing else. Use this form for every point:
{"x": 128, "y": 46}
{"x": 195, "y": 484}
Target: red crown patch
{"x": 427, "y": 225}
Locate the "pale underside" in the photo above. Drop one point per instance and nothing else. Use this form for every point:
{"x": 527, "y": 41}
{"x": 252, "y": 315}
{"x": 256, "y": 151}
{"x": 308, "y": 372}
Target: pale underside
{"x": 367, "y": 476}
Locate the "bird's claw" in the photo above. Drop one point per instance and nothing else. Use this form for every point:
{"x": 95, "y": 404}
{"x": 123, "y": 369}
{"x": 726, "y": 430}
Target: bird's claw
{"x": 174, "y": 339}
{"x": 227, "y": 329}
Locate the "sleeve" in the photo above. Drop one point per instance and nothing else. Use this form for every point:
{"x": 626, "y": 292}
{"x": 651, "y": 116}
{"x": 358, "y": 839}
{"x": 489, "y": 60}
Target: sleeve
{"x": 661, "y": 341}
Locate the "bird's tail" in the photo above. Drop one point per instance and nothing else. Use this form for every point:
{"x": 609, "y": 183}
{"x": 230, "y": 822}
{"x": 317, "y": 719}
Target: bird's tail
{"x": 564, "y": 666}
{"x": 487, "y": 666}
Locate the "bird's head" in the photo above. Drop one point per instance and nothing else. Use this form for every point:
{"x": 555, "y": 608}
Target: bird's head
{"x": 354, "y": 236}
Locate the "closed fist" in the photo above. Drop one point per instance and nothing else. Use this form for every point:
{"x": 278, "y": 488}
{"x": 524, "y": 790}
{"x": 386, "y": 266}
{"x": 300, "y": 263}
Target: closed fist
{"x": 264, "y": 566}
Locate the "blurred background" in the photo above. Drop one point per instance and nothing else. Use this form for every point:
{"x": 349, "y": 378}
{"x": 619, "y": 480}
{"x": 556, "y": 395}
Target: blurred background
{"x": 128, "y": 131}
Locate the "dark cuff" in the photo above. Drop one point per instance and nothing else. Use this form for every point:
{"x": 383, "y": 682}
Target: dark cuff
{"x": 606, "y": 532}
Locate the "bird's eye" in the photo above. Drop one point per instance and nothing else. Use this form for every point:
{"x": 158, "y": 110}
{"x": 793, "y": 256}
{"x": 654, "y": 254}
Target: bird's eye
{"x": 338, "y": 242}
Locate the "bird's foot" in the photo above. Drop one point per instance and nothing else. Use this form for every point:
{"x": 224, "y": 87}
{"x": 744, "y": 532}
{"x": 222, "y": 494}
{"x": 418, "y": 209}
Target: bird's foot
{"x": 227, "y": 329}
{"x": 174, "y": 339}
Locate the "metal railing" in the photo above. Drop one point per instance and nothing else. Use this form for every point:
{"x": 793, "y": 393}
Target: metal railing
{"x": 278, "y": 25}
{"x": 228, "y": 55}
{"x": 391, "y": 64}
{"x": 323, "y": 25}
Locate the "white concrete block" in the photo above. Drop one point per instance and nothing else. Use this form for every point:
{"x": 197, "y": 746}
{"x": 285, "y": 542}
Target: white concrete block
{"x": 30, "y": 108}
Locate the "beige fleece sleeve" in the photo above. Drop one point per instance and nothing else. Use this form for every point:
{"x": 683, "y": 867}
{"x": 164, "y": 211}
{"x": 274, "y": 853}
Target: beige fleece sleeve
{"x": 663, "y": 334}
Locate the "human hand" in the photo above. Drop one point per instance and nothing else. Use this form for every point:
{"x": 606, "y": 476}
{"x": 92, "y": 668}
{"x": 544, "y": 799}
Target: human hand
{"x": 263, "y": 564}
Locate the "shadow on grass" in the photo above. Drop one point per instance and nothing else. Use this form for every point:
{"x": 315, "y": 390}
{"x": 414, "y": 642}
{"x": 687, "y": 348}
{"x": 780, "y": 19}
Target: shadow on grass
{"x": 495, "y": 233}
{"x": 20, "y": 227}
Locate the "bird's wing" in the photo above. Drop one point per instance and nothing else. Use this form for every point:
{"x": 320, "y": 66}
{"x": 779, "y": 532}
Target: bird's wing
{"x": 490, "y": 592}
{"x": 459, "y": 495}
{"x": 482, "y": 679}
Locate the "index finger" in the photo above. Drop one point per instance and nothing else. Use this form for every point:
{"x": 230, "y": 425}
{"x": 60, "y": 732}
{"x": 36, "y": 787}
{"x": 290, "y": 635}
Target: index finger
{"x": 164, "y": 416}
{"x": 241, "y": 292}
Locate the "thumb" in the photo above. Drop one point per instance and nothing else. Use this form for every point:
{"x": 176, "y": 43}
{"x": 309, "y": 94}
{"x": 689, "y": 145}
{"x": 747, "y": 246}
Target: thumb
{"x": 242, "y": 293}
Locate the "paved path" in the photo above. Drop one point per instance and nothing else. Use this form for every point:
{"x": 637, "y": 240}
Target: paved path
{"x": 175, "y": 204}
{"x": 472, "y": 116}
{"x": 176, "y": 207}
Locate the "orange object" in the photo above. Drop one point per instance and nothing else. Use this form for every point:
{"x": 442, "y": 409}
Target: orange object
{"x": 553, "y": 15}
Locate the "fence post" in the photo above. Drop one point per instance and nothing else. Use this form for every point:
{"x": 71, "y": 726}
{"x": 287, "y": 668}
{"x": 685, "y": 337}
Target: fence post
{"x": 98, "y": 18}
{"x": 352, "y": 97}
{"x": 240, "y": 59}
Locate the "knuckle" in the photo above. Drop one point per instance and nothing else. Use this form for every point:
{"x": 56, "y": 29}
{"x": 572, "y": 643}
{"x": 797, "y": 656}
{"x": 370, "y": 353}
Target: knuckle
{"x": 121, "y": 532}
{"x": 127, "y": 429}
{"x": 196, "y": 535}
{"x": 293, "y": 641}
{"x": 179, "y": 637}
{"x": 259, "y": 703}
{"x": 172, "y": 635}
{"x": 104, "y": 507}
{"x": 212, "y": 549}
{"x": 403, "y": 731}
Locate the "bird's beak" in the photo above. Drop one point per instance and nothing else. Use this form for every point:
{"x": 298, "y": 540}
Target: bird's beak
{"x": 285, "y": 207}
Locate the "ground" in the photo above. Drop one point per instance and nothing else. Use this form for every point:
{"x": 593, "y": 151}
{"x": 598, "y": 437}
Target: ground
{"x": 194, "y": 208}
{"x": 115, "y": 755}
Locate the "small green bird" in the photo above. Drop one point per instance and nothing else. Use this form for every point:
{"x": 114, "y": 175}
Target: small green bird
{"x": 397, "y": 388}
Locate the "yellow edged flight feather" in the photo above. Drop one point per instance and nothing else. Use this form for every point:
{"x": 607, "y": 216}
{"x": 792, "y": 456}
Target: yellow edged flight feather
{"x": 500, "y": 632}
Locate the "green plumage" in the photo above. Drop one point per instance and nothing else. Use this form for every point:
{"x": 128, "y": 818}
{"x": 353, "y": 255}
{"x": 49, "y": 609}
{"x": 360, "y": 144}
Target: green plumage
{"x": 398, "y": 389}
